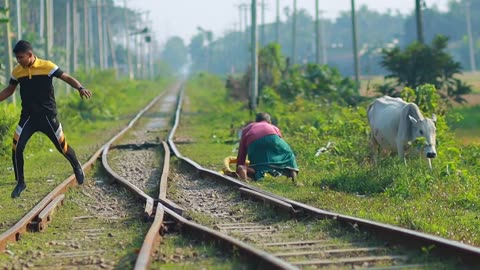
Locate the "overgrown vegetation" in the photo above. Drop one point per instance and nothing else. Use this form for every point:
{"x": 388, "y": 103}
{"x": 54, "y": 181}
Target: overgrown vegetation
{"x": 280, "y": 81}
{"x": 419, "y": 64}
{"x": 331, "y": 144}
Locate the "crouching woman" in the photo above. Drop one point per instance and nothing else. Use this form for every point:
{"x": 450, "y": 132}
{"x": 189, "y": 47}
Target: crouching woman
{"x": 266, "y": 149}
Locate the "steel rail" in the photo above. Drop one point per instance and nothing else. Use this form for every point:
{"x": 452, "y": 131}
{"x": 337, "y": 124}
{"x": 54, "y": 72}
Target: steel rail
{"x": 163, "y": 205}
{"x": 30, "y": 220}
{"x": 261, "y": 259}
{"x": 399, "y": 234}
{"x": 15, "y": 232}
{"x": 153, "y": 237}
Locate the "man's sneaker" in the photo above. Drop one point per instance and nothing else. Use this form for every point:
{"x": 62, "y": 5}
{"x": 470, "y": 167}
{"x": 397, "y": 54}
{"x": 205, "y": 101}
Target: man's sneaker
{"x": 18, "y": 189}
{"x": 79, "y": 175}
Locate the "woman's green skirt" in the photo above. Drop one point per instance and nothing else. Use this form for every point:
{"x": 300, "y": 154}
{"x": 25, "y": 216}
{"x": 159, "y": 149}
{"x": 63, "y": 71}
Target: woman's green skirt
{"x": 271, "y": 154}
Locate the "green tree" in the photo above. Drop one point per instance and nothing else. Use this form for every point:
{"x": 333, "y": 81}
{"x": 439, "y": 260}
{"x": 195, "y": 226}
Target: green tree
{"x": 271, "y": 65}
{"x": 420, "y": 64}
{"x": 175, "y": 53}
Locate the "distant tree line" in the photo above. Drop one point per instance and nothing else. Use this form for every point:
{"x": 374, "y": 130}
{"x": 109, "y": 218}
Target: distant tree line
{"x": 83, "y": 35}
{"x": 376, "y": 31}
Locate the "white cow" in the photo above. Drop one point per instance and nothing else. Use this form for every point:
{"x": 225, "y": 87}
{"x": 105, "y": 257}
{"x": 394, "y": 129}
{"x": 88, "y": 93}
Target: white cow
{"x": 395, "y": 123}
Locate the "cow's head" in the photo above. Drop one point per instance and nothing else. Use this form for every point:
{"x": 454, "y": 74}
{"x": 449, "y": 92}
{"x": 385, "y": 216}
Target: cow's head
{"x": 426, "y": 128}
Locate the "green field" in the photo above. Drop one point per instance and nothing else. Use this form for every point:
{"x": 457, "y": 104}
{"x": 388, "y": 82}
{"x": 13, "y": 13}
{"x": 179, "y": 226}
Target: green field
{"x": 443, "y": 202}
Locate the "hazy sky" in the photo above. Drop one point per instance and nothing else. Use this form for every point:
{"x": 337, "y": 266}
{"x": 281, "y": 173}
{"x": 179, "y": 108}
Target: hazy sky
{"x": 181, "y": 17}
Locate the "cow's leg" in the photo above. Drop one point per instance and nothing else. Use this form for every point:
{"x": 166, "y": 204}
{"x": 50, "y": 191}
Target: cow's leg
{"x": 375, "y": 148}
{"x": 401, "y": 152}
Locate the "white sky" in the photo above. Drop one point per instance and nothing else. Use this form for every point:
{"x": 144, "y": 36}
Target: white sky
{"x": 181, "y": 17}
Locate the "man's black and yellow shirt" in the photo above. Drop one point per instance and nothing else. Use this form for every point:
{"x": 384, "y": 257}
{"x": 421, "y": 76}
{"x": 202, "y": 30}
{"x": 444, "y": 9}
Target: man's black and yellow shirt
{"x": 36, "y": 87}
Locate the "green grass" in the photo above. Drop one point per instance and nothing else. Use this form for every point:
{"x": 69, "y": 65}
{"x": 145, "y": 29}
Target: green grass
{"x": 121, "y": 250}
{"x": 442, "y": 202}
{"x": 45, "y": 168}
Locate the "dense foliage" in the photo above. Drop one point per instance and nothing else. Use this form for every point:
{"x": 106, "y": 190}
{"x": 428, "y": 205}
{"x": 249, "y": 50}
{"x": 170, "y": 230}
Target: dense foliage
{"x": 419, "y": 64}
{"x": 289, "y": 82}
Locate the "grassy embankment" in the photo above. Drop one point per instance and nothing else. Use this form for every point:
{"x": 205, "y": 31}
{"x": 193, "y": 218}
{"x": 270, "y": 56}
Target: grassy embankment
{"x": 87, "y": 126}
{"x": 443, "y": 202}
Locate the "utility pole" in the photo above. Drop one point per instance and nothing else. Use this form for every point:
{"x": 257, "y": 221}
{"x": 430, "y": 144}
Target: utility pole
{"x": 86, "y": 27}
{"x": 254, "y": 80}
{"x": 41, "y": 32}
{"x": 47, "y": 29}
{"x": 137, "y": 53}
{"x": 418, "y": 11}
{"x": 100, "y": 34}
{"x": 127, "y": 41}
{"x": 92, "y": 41}
{"x": 245, "y": 20}
{"x": 105, "y": 16}
{"x": 8, "y": 57}
{"x": 294, "y": 32}
{"x": 112, "y": 48}
{"x": 262, "y": 35}
{"x": 317, "y": 34}
{"x": 240, "y": 18}
{"x": 355, "y": 48}
{"x": 19, "y": 20}
{"x": 277, "y": 23}
{"x": 74, "y": 63}
{"x": 68, "y": 43}
{"x": 323, "y": 41}
{"x": 473, "y": 65}
{"x": 50, "y": 20}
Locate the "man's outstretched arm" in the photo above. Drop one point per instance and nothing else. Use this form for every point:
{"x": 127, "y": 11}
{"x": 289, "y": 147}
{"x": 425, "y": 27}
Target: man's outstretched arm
{"x": 77, "y": 85}
{"x": 8, "y": 91}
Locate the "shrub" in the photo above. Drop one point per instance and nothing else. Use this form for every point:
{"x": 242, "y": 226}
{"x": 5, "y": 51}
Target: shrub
{"x": 422, "y": 64}
{"x": 7, "y": 127}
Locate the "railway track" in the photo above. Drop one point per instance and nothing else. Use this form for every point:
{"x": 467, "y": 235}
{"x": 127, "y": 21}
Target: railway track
{"x": 265, "y": 230}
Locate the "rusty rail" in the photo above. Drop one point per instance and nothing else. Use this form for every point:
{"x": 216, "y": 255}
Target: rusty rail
{"x": 30, "y": 222}
{"x": 153, "y": 237}
{"x": 163, "y": 206}
{"x": 410, "y": 237}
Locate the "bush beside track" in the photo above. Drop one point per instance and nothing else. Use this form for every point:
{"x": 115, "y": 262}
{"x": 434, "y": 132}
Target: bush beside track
{"x": 444, "y": 202}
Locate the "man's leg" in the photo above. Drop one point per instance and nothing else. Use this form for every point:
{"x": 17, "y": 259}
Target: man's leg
{"x": 53, "y": 129}
{"x": 23, "y": 132}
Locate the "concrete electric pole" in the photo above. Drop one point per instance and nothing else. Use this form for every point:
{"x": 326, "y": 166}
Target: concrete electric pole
{"x": 254, "y": 81}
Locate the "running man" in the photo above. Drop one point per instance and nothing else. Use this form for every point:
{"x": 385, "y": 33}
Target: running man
{"x": 39, "y": 112}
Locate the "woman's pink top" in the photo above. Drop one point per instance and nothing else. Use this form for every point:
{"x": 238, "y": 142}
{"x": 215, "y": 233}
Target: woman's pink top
{"x": 252, "y": 132}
